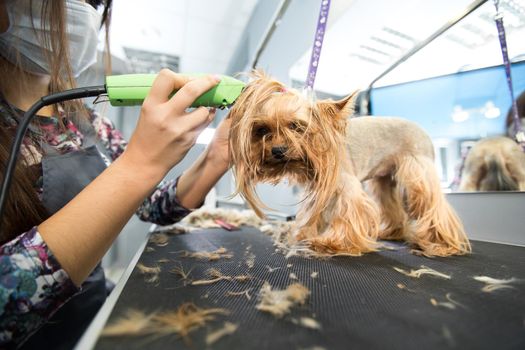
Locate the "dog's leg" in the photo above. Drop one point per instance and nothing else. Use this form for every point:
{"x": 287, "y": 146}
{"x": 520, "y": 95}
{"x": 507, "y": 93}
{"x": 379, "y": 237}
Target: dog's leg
{"x": 393, "y": 215}
{"x": 516, "y": 170}
{"x": 437, "y": 230}
{"x": 470, "y": 178}
{"x": 350, "y": 223}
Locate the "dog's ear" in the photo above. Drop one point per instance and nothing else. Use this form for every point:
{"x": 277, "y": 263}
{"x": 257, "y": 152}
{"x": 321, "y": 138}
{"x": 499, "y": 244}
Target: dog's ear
{"x": 337, "y": 110}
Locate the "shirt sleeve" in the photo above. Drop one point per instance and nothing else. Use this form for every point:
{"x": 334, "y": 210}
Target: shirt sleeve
{"x": 111, "y": 138}
{"x": 33, "y": 286}
{"x": 162, "y": 206}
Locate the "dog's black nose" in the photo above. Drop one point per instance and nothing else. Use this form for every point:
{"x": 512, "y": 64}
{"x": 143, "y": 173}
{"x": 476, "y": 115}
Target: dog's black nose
{"x": 279, "y": 151}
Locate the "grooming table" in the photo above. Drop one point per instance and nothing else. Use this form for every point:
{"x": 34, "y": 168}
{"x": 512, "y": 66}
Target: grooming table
{"x": 357, "y": 300}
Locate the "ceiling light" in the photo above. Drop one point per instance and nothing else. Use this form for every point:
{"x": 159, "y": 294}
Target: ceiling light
{"x": 459, "y": 115}
{"x": 491, "y": 111}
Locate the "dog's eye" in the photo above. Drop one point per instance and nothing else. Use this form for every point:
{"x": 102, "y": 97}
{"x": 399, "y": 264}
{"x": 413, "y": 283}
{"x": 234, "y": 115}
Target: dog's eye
{"x": 295, "y": 126}
{"x": 261, "y": 131}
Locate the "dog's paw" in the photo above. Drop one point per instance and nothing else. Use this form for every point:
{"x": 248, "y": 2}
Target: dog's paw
{"x": 440, "y": 249}
{"x": 331, "y": 246}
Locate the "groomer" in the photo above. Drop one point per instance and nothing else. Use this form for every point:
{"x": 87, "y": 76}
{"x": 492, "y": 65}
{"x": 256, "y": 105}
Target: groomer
{"x": 66, "y": 204}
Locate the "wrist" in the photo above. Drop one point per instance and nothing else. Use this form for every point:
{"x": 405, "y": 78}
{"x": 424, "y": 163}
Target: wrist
{"x": 147, "y": 174}
{"x": 217, "y": 160}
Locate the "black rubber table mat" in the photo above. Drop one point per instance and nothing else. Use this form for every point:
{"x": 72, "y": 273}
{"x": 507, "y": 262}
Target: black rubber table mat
{"x": 356, "y": 300}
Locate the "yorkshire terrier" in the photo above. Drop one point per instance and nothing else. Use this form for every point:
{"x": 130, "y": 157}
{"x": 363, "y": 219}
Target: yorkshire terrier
{"x": 494, "y": 164}
{"x": 277, "y": 133}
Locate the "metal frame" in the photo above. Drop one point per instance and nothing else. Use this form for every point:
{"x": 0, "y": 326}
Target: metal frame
{"x": 365, "y": 102}
{"x": 271, "y": 29}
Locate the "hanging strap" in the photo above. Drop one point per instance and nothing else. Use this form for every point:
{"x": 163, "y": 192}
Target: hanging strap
{"x": 520, "y": 135}
{"x": 318, "y": 44}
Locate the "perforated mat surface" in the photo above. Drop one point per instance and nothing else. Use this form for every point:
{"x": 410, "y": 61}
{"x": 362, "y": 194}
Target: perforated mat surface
{"x": 358, "y": 301}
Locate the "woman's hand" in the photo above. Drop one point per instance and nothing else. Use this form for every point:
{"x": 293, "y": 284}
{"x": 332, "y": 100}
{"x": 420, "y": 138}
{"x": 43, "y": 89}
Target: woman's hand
{"x": 195, "y": 183}
{"x": 165, "y": 131}
{"x": 218, "y": 149}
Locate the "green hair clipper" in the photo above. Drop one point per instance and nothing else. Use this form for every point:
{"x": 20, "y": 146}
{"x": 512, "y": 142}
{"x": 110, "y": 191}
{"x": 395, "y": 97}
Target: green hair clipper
{"x": 132, "y": 89}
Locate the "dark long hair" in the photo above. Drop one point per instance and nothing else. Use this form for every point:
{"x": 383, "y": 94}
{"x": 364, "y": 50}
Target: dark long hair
{"x": 23, "y": 208}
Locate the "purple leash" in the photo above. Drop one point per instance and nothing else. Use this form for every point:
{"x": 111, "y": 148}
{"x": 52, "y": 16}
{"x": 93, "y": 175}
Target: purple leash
{"x": 520, "y": 135}
{"x": 318, "y": 44}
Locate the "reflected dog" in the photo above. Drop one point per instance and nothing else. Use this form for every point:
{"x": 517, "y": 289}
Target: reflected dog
{"x": 494, "y": 164}
{"x": 278, "y": 134}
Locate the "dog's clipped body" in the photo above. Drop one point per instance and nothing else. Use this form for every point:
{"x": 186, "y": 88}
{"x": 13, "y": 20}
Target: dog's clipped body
{"x": 277, "y": 133}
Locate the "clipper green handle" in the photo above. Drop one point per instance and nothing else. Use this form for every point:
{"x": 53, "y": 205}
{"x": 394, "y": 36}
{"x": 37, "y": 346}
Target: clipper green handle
{"x": 132, "y": 89}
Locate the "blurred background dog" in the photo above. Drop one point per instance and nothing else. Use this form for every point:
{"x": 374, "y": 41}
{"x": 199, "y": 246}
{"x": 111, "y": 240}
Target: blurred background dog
{"x": 494, "y": 164}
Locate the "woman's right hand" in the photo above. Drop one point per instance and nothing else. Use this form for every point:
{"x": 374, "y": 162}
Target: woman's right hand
{"x": 165, "y": 131}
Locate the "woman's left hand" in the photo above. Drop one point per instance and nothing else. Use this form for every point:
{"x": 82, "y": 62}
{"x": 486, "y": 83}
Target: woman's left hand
{"x": 195, "y": 183}
{"x": 218, "y": 149}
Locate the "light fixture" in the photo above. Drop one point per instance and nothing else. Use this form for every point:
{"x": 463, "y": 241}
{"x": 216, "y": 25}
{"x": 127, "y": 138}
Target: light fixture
{"x": 459, "y": 114}
{"x": 491, "y": 111}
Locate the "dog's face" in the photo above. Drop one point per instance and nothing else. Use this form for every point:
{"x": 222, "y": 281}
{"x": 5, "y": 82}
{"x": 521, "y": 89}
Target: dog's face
{"x": 278, "y": 133}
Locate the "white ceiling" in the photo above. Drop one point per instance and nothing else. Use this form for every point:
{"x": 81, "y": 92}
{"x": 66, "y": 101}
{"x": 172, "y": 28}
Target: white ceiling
{"x": 364, "y": 37}
{"x": 203, "y": 33}
{"x": 373, "y": 34}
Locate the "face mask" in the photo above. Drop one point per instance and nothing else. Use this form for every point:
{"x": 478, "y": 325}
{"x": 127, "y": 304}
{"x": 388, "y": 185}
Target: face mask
{"x": 21, "y": 40}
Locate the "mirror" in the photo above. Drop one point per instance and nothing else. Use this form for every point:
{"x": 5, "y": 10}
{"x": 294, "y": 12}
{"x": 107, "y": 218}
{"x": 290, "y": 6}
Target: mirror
{"x": 455, "y": 87}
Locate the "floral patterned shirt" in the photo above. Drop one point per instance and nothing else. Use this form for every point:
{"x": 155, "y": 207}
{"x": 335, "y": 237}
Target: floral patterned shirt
{"x": 33, "y": 285}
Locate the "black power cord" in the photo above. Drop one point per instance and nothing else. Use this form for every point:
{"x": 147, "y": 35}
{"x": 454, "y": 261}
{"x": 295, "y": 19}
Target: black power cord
{"x": 72, "y": 94}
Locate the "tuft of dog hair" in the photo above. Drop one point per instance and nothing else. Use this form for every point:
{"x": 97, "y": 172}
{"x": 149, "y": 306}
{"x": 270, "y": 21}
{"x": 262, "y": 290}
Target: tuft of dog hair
{"x": 280, "y": 302}
{"x": 494, "y": 164}
{"x": 277, "y": 133}
{"x": 182, "y": 321}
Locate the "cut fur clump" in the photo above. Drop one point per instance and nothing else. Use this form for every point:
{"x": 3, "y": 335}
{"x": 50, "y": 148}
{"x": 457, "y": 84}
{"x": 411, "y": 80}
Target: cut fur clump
{"x": 445, "y": 304}
{"x": 227, "y": 329}
{"x": 134, "y": 322}
{"x": 160, "y": 239}
{"x": 182, "y": 321}
{"x": 493, "y": 284}
{"x": 205, "y": 218}
{"x": 422, "y": 271}
{"x": 307, "y": 322}
{"x": 250, "y": 260}
{"x": 279, "y": 302}
{"x": 221, "y": 253}
{"x": 277, "y": 133}
{"x": 151, "y": 274}
{"x": 272, "y": 269}
{"x": 404, "y": 287}
{"x": 217, "y": 276}
{"x": 449, "y": 298}
{"x": 172, "y": 230}
{"x": 245, "y": 293}
{"x": 179, "y": 271}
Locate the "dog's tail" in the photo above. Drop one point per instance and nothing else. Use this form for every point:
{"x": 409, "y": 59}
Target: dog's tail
{"x": 436, "y": 228}
{"x": 497, "y": 176}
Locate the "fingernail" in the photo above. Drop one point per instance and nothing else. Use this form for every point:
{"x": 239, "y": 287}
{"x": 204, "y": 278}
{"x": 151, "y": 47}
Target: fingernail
{"x": 213, "y": 110}
{"x": 217, "y": 77}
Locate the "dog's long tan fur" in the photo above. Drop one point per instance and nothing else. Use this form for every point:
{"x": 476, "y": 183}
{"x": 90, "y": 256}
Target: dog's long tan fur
{"x": 277, "y": 133}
